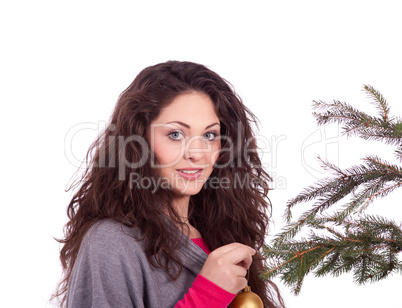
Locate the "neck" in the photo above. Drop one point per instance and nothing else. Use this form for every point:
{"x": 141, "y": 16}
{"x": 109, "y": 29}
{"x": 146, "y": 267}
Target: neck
{"x": 181, "y": 205}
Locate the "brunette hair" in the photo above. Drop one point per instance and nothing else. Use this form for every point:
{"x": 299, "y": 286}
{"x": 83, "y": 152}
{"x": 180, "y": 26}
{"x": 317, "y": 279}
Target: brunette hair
{"x": 234, "y": 212}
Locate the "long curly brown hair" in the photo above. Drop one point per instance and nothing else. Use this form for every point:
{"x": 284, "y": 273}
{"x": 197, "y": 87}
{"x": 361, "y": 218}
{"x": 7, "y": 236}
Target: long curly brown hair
{"x": 234, "y": 212}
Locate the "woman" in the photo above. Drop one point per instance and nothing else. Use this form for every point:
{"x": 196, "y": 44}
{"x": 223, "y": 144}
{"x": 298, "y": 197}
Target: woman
{"x": 173, "y": 207}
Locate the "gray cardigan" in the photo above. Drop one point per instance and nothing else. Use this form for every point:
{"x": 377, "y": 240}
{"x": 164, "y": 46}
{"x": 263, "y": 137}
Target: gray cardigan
{"x": 112, "y": 270}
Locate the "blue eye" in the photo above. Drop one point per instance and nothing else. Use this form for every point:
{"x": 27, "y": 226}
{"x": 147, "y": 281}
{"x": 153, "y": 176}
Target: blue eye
{"x": 211, "y": 136}
{"x": 176, "y": 135}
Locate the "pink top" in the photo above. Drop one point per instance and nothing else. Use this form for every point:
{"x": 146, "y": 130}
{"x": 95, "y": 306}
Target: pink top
{"x": 201, "y": 243}
{"x": 204, "y": 293}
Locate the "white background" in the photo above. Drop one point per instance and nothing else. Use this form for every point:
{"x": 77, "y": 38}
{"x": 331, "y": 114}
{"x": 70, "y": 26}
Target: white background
{"x": 64, "y": 63}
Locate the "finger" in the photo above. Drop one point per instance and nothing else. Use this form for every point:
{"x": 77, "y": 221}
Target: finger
{"x": 242, "y": 264}
{"x": 234, "y": 246}
{"x": 229, "y": 247}
{"x": 242, "y": 256}
{"x": 239, "y": 271}
{"x": 241, "y": 283}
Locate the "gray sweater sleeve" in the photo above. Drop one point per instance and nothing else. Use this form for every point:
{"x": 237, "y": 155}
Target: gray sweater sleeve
{"x": 111, "y": 270}
{"x": 107, "y": 272}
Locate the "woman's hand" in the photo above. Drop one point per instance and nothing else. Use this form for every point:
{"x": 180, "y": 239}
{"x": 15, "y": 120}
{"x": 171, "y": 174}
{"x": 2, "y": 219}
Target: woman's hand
{"x": 227, "y": 266}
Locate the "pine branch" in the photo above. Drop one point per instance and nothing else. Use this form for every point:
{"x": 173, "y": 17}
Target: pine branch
{"x": 360, "y": 124}
{"x": 398, "y": 153}
{"x": 379, "y": 101}
{"x": 326, "y": 187}
{"x": 346, "y": 241}
{"x": 380, "y": 133}
{"x": 289, "y": 232}
{"x": 354, "y": 245}
{"x": 373, "y": 176}
{"x": 342, "y": 113}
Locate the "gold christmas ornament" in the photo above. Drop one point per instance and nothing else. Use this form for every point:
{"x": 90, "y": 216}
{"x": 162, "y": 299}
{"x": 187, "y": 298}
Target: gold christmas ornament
{"x": 246, "y": 299}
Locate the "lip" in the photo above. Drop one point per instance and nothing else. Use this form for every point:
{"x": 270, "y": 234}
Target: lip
{"x": 190, "y": 177}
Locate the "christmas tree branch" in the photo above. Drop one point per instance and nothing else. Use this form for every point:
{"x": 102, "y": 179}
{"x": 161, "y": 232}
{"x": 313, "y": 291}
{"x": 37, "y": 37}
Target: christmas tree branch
{"x": 355, "y": 122}
{"x": 346, "y": 241}
{"x": 381, "y": 103}
{"x": 355, "y": 248}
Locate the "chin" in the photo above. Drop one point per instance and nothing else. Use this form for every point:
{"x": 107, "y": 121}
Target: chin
{"x": 190, "y": 188}
{"x": 186, "y": 192}
{"x": 187, "y": 188}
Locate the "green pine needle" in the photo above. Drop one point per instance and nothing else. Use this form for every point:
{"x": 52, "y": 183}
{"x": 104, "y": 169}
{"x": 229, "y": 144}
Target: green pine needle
{"x": 345, "y": 241}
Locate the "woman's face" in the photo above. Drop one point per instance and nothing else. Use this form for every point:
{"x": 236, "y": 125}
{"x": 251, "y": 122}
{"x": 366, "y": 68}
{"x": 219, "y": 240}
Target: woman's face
{"x": 185, "y": 139}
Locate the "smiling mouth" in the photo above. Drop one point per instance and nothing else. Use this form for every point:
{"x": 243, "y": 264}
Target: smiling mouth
{"x": 190, "y": 171}
{"x": 190, "y": 174}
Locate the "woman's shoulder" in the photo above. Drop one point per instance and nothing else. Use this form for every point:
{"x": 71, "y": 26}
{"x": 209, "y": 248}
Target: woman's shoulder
{"x": 111, "y": 228}
{"x": 109, "y": 236}
{"x": 109, "y": 267}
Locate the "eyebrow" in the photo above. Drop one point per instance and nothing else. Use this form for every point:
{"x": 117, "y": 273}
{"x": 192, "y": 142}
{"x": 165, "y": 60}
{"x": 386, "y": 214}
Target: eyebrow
{"x": 188, "y": 126}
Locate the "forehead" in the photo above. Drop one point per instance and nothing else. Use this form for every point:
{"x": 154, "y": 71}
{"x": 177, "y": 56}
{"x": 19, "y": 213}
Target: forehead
{"x": 190, "y": 108}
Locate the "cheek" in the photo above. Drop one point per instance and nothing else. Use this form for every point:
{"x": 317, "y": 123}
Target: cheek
{"x": 214, "y": 155}
{"x": 167, "y": 153}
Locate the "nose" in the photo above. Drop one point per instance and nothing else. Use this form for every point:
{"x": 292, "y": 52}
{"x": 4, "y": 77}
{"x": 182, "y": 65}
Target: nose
{"x": 195, "y": 149}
